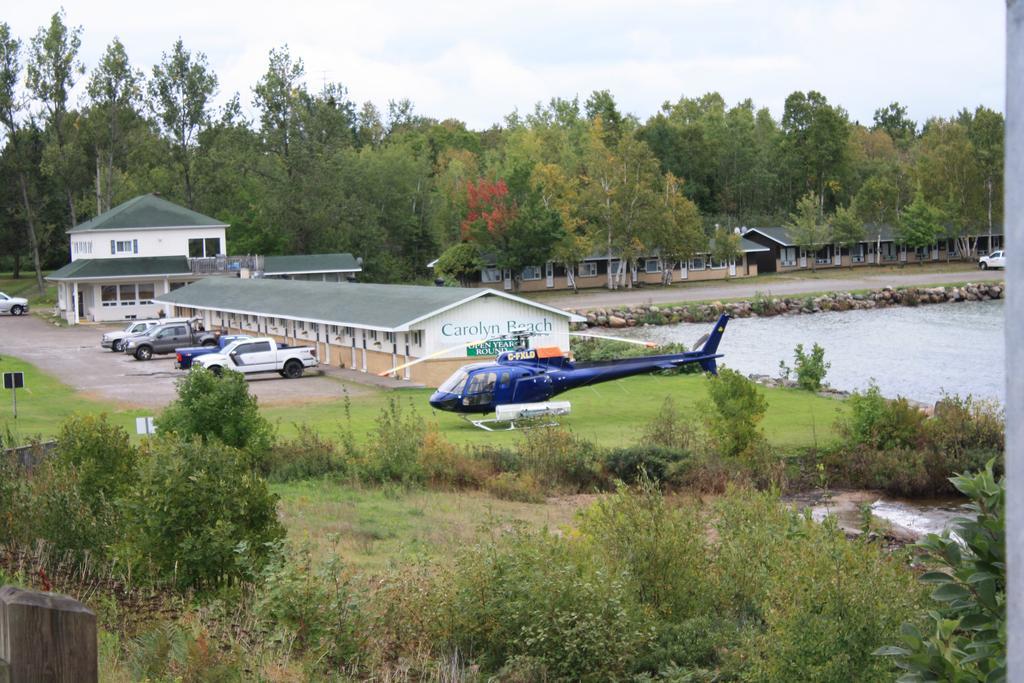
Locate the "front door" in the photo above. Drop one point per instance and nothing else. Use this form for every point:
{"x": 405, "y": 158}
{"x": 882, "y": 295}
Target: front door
{"x": 732, "y": 268}
{"x": 549, "y": 272}
{"x": 508, "y": 278}
{"x": 803, "y": 258}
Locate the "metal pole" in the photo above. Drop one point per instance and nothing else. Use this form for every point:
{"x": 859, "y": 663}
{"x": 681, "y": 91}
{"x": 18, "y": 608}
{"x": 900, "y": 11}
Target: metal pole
{"x": 14, "y": 394}
{"x": 1014, "y": 321}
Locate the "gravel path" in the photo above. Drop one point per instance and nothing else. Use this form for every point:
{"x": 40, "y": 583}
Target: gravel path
{"x": 779, "y": 285}
{"x": 74, "y": 355}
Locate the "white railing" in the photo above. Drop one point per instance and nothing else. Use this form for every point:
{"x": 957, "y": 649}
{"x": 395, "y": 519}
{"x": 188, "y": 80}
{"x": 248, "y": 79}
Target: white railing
{"x": 216, "y": 265}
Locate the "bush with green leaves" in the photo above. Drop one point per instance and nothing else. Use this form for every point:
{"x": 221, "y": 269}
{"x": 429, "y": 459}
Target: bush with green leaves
{"x": 558, "y": 460}
{"x": 102, "y": 456}
{"x": 657, "y": 463}
{"x": 305, "y": 456}
{"x": 810, "y": 368}
{"x": 735, "y": 408}
{"x": 881, "y": 424}
{"x": 964, "y": 637}
{"x": 194, "y": 506}
{"x": 218, "y": 407}
{"x": 391, "y": 454}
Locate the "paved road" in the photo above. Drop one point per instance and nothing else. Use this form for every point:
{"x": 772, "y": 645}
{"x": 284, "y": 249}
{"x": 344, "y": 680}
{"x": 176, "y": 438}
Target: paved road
{"x": 779, "y": 285}
{"x": 74, "y": 355}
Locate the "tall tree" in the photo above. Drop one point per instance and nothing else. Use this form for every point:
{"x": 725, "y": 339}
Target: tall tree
{"x": 808, "y": 228}
{"x": 893, "y": 120}
{"x": 986, "y": 132}
{"x": 847, "y": 229}
{"x": 115, "y": 90}
{"x": 948, "y": 174}
{"x": 12, "y": 107}
{"x": 920, "y": 224}
{"x": 51, "y": 73}
{"x": 678, "y": 235}
{"x": 725, "y": 246}
{"x": 814, "y": 146}
{"x": 180, "y": 93}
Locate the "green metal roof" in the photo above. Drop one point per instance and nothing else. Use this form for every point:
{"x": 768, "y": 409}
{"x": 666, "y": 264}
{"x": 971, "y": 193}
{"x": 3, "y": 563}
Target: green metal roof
{"x": 384, "y": 307}
{"x": 148, "y": 212}
{"x": 138, "y": 266}
{"x": 310, "y": 263}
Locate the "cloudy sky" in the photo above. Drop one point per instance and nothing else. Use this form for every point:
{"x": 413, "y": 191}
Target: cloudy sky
{"x": 478, "y": 61}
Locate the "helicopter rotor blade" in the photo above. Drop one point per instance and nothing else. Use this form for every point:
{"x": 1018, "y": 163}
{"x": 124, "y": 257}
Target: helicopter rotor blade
{"x": 639, "y": 342}
{"x": 700, "y": 342}
{"x": 442, "y": 352}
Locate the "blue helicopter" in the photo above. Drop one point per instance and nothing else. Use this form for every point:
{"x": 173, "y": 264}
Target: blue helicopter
{"x": 526, "y": 379}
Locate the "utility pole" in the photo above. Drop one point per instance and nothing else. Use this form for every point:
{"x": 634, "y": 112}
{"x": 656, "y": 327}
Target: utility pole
{"x": 1014, "y": 316}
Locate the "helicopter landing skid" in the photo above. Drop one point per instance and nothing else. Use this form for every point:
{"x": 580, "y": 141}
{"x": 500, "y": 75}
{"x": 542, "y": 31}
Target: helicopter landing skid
{"x": 530, "y": 414}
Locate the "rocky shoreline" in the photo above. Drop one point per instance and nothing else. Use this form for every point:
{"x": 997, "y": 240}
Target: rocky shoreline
{"x": 767, "y": 305}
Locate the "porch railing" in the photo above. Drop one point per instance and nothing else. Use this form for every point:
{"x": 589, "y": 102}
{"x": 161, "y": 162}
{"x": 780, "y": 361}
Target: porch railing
{"x": 225, "y": 265}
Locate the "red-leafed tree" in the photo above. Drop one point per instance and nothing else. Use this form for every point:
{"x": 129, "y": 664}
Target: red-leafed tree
{"x": 512, "y": 230}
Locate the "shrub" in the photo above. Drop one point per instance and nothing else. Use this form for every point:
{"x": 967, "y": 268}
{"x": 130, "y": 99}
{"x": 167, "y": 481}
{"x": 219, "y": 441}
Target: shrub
{"x": 964, "y": 638}
{"x": 307, "y": 455}
{"x": 68, "y": 520}
{"x": 557, "y": 459}
{"x": 809, "y": 368}
{"x": 312, "y": 608}
{"x": 219, "y": 407}
{"x": 532, "y": 595}
{"x": 961, "y": 425}
{"x": 102, "y": 456}
{"x": 661, "y": 549}
{"x": 882, "y": 424}
{"x": 15, "y": 507}
{"x": 392, "y": 452}
{"x": 196, "y": 505}
{"x": 657, "y": 463}
{"x": 521, "y": 487}
{"x": 447, "y": 465}
{"x": 736, "y": 407}
{"x": 670, "y": 428}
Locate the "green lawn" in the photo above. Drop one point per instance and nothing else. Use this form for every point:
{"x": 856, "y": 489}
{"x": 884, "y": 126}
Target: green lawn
{"x": 25, "y": 286}
{"x": 46, "y": 401}
{"x": 611, "y": 414}
{"x": 370, "y": 528}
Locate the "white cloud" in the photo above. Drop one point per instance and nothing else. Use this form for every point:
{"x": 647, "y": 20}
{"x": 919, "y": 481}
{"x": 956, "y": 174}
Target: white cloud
{"x": 478, "y": 62}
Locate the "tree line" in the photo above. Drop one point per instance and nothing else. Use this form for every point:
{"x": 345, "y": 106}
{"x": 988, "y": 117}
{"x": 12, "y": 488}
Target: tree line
{"x": 311, "y": 171}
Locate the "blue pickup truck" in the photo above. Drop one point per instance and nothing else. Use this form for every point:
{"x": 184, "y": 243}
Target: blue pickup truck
{"x": 183, "y": 357}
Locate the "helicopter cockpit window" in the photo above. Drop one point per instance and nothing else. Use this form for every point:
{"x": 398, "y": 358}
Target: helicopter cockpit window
{"x": 481, "y": 389}
{"x": 454, "y": 384}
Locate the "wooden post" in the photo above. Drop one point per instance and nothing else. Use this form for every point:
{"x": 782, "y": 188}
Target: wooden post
{"x": 46, "y": 637}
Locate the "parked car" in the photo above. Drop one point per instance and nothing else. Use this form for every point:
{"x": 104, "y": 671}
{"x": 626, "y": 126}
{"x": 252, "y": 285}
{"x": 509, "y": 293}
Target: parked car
{"x": 260, "y": 354}
{"x": 115, "y": 340}
{"x": 997, "y": 259}
{"x": 14, "y": 305}
{"x": 183, "y": 358}
{"x": 167, "y": 337}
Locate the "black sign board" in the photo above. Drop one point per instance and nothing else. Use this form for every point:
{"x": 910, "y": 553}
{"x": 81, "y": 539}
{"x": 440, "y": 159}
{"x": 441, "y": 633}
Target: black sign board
{"x": 14, "y": 380}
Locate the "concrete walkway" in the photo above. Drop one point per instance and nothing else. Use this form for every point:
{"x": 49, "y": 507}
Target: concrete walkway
{"x": 369, "y": 379}
{"x": 778, "y": 285}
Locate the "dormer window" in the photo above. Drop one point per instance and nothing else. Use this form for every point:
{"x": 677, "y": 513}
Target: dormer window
{"x": 124, "y": 247}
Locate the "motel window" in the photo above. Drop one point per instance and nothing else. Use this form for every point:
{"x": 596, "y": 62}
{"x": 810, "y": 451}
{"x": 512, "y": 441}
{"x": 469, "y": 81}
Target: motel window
{"x": 788, "y": 256}
{"x": 416, "y": 338}
{"x": 349, "y": 332}
{"x": 823, "y": 256}
{"x": 588, "y": 269}
{"x": 200, "y": 247}
{"x": 697, "y": 263}
{"x": 314, "y": 327}
{"x": 857, "y": 255}
{"x": 530, "y": 273}
{"x": 108, "y": 295}
{"x": 716, "y": 264}
{"x": 389, "y": 337}
{"x": 652, "y": 265}
{"x": 490, "y": 275}
{"x": 373, "y": 334}
{"x": 302, "y": 325}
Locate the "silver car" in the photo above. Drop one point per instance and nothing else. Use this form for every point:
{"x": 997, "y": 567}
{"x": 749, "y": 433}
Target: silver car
{"x": 14, "y": 305}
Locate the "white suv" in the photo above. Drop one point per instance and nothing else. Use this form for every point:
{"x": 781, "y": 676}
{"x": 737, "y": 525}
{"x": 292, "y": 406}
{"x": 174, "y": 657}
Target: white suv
{"x": 13, "y": 304}
{"x": 997, "y": 259}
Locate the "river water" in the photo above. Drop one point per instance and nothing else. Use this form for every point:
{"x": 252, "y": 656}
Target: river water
{"x": 919, "y": 353}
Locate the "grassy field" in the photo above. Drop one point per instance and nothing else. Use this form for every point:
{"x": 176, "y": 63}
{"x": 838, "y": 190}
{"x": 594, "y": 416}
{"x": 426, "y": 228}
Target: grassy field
{"x": 25, "y": 286}
{"x": 611, "y": 414}
{"x": 370, "y": 528}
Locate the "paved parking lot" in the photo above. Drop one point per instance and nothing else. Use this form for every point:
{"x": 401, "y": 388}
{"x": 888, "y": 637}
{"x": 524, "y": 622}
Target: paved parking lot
{"x": 74, "y": 355}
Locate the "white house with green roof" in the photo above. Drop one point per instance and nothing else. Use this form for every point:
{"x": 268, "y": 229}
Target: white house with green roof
{"x": 371, "y": 327}
{"x": 124, "y": 258}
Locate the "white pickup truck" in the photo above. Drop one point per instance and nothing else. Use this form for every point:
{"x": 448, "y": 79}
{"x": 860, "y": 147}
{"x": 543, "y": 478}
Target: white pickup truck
{"x": 260, "y": 354}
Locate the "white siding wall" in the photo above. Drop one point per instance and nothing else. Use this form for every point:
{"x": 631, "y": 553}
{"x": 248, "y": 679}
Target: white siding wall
{"x": 151, "y": 242}
{"x": 490, "y": 316}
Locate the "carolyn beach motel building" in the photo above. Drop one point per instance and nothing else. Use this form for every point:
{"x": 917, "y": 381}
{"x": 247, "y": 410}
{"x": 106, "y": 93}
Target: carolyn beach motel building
{"x": 372, "y": 327}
